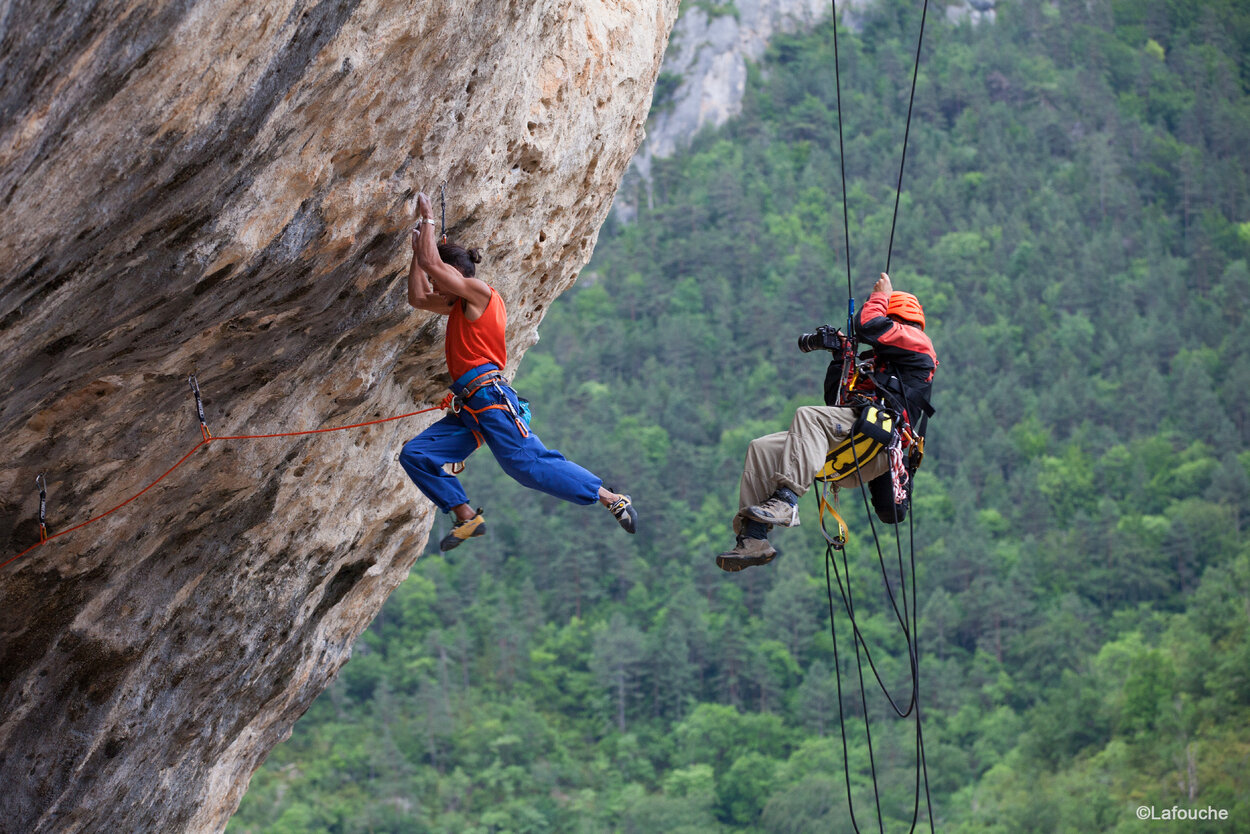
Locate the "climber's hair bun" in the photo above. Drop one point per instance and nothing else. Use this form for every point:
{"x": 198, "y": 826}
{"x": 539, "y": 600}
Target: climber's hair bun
{"x": 462, "y": 259}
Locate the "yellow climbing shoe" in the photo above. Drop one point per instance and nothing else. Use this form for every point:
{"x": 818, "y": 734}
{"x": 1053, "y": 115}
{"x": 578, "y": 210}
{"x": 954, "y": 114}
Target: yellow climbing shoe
{"x": 466, "y": 529}
{"x": 623, "y": 511}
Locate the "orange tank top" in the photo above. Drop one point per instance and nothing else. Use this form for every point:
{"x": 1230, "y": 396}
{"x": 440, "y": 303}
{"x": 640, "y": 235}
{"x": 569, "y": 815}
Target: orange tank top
{"x": 473, "y": 343}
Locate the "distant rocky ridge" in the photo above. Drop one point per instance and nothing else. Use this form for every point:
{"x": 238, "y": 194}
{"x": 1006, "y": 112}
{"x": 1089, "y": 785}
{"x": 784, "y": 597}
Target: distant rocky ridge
{"x": 225, "y": 188}
{"x": 703, "y": 78}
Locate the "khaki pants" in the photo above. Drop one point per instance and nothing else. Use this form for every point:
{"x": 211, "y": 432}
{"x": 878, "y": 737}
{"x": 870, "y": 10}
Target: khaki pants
{"x": 792, "y": 458}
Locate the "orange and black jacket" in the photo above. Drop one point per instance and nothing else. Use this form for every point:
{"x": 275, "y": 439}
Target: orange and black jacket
{"x": 904, "y": 360}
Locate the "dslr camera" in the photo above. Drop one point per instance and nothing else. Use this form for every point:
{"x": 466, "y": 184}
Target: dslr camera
{"x": 825, "y": 338}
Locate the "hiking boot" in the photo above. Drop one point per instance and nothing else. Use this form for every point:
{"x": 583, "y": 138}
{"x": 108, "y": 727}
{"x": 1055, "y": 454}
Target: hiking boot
{"x": 466, "y": 529}
{"x": 626, "y": 515}
{"x": 748, "y": 552}
{"x": 775, "y": 510}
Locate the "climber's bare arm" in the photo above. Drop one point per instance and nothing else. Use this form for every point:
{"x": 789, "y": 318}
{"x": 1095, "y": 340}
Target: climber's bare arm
{"x": 421, "y": 293}
{"x": 447, "y": 280}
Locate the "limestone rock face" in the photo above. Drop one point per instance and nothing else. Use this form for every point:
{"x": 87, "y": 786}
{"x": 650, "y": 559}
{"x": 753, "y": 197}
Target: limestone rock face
{"x": 709, "y": 51}
{"x": 707, "y": 61}
{"x": 225, "y": 188}
{"x": 973, "y": 11}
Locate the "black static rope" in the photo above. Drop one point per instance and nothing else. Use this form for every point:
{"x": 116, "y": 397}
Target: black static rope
{"x": 911, "y": 544}
{"x": 913, "y": 662}
{"x": 846, "y": 222}
{"x": 910, "y": 629}
{"x": 837, "y": 669}
{"x": 907, "y": 631}
{"x": 849, "y": 604}
{"x": 898, "y": 193}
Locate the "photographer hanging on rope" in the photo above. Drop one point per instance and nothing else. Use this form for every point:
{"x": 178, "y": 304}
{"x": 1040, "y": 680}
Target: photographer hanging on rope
{"x": 876, "y": 406}
{"x": 484, "y": 408}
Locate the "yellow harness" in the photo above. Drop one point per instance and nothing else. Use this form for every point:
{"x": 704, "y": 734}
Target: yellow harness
{"x": 872, "y": 433}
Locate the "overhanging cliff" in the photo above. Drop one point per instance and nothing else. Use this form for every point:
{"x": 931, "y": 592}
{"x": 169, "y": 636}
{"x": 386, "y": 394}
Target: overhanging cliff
{"x": 225, "y": 189}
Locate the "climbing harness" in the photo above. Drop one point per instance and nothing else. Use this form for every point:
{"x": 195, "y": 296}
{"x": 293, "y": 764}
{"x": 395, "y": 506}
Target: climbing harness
{"x": 872, "y": 432}
{"x": 457, "y": 399}
{"x": 477, "y": 383}
{"x": 858, "y": 380}
{"x": 459, "y": 395}
{"x": 206, "y": 438}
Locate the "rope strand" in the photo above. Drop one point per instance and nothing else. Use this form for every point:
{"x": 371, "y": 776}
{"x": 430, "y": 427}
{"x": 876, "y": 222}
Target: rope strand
{"x": 207, "y": 438}
{"x": 909, "y": 625}
{"x": 846, "y": 221}
{"x": 107, "y": 512}
{"x": 898, "y": 192}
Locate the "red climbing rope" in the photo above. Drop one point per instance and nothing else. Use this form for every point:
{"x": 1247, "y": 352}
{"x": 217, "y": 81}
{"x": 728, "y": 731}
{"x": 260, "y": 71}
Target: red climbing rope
{"x": 333, "y": 428}
{"x": 107, "y": 512}
{"x": 207, "y": 438}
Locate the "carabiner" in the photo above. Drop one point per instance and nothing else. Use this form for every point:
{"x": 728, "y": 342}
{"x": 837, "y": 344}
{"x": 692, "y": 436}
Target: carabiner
{"x": 42, "y": 483}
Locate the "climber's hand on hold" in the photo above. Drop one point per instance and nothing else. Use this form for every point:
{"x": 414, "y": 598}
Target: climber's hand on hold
{"x": 425, "y": 218}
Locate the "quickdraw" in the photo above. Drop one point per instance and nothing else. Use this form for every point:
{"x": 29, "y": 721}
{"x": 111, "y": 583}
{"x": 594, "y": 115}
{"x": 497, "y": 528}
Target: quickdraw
{"x": 43, "y": 507}
{"x": 41, "y": 482}
{"x": 199, "y": 408}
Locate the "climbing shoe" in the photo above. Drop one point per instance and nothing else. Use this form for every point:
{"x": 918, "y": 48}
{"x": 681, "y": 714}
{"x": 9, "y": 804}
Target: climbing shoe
{"x": 466, "y": 529}
{"x": 778, "y": 510}
{"x": 623, "y": 509}
{"x": 748, "y": 552}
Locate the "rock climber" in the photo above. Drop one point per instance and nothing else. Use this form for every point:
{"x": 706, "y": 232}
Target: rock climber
{"x": 780, "y": 467}
{"x": 443, "y": 279}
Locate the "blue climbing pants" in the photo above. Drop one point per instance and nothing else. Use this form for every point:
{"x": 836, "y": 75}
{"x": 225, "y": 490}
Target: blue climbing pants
{"x": 490, "y": 416}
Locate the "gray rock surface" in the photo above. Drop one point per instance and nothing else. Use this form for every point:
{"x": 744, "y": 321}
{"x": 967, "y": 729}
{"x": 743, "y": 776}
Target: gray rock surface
{"x": 708, "y": 51}
{"x": 707, "y": 61}
{"x": 972, "y": 11}
{"x": 225, "y": 188}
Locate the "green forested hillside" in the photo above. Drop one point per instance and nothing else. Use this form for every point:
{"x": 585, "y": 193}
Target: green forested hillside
{"x": 1076, "y": 219}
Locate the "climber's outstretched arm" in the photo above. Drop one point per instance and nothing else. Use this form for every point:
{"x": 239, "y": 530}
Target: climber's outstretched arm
{"x": 447, "y": 280}
{"x": 421, "y": 292}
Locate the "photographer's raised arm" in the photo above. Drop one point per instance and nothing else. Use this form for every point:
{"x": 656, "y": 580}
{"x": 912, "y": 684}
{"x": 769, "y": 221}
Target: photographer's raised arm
{"x": 872, "y": 322}
{"x": 884, "y": 284}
